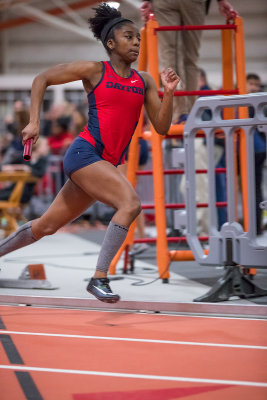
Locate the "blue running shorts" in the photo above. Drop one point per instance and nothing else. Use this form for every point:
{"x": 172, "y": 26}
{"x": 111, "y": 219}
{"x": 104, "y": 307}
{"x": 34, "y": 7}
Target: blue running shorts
{"x": 80, "y": 154}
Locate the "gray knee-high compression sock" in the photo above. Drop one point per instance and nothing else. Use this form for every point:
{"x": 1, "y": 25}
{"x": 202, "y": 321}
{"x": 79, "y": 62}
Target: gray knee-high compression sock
{"x": 113, "y": 240}
{"x": 22, "y": 237}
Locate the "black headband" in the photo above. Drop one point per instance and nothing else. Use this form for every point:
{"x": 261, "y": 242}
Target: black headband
{"x": 110, "y": 25}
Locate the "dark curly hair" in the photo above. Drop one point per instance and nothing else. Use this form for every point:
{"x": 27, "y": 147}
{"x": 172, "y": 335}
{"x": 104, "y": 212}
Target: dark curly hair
{"x": 103, "y": 15}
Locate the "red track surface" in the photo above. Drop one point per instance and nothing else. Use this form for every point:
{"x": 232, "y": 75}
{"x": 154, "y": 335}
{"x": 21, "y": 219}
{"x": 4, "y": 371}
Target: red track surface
{"x": 84, "y": 359}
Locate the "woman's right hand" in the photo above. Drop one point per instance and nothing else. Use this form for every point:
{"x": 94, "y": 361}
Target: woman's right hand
{"x": 31, "y": 131}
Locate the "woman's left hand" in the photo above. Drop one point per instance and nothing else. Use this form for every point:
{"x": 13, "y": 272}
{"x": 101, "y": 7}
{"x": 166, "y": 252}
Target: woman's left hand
{"x": 169, "y": 79}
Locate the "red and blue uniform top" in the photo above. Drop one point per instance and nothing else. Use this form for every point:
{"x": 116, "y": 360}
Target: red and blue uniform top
{"x": 114, "y": 110}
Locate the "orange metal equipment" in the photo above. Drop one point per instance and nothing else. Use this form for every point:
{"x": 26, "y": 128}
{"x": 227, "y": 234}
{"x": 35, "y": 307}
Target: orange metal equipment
{"x": 163, "y": 258}
{"x": 242, "y": 113}
{"x": 149, "y": 55}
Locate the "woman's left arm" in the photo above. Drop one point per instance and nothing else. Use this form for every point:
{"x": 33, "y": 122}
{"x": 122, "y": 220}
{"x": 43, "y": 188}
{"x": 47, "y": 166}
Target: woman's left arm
{"x": 160, "y": 112}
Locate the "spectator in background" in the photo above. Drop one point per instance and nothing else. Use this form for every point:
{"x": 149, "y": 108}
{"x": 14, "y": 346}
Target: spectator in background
{"x": 37, "y": 166}
{"x": 202, "y": 80}
{"x": 14, "y": 126}
{"x": 219, "y": 155}
{"x": 60, "y": 138}
{"x": 63, "y": 110}
{"x": 254, "y": 86}
{"x": 79, "y": 121}
{"x": 5, "y": 139}
{"x": 220, "y": 179}
{"x": 180, "y": 50}
{"x": 58, "y": 142}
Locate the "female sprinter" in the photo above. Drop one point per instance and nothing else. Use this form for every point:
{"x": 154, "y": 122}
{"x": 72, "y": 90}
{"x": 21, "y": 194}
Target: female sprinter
{"x": 116, "y": 94}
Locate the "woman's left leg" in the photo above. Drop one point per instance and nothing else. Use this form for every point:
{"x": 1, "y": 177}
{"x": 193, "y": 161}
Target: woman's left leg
{"x": 69, "y": 204}
{"x": 105, "y": 183}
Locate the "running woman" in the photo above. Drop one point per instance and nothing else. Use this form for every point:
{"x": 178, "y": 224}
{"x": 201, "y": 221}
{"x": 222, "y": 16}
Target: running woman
{"x": 116, "y": 93}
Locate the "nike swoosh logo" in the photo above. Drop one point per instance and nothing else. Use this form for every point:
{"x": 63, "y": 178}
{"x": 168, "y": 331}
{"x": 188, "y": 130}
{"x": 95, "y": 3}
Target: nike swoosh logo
{"x": 134, "y": 81}
{"x": 102, "y": 291}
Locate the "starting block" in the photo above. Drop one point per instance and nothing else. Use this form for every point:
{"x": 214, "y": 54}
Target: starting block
{"x": 32, "y": 277}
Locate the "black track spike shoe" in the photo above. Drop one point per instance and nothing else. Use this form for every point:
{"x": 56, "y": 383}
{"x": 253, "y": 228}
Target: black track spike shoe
{"x": 99, "y": 287}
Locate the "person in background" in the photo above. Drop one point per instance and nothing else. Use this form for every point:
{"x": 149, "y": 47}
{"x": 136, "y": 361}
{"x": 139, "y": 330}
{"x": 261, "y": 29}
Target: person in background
{"x": 79, "y": 120}
{"x": 219, "y": 155}
{"x": 37, "y": 166}
{"x": 61, "y": 110}
{"x": 203, "y": 83}
{"x": 14, "y": 125}
{"x": 254, "y": 86}
{"x": 180, "y": 50}
{"x": 59, "y": 141}
{"x": 60, "y": 138}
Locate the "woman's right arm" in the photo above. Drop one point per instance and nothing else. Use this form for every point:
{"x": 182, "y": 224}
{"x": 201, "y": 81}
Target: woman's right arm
{"x": 62, "y": 73}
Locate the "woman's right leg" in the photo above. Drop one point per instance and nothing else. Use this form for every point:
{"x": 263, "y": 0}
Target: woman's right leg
{"x": 69, "y": 204}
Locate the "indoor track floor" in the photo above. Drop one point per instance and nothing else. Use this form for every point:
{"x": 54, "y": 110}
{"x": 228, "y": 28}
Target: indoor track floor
{"x": 66, "y": 347}
{"x": 64, "y": 354}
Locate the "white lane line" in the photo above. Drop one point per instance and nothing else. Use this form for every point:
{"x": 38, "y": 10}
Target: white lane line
{"x": 134, "y": 376}
{"x": 122, "y": 339}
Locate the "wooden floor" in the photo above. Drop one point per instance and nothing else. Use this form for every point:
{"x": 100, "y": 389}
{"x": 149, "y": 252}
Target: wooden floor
{"x": 64, "y": 354}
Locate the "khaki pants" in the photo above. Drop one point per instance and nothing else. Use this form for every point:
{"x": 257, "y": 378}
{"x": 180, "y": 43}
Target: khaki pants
{"x": 202, "y": 186}
{"x": 180, "y": 50}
